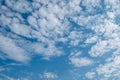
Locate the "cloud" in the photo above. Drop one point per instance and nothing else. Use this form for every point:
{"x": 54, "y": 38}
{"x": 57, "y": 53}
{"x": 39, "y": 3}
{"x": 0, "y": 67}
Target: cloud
{"x": 37, "y": 26}
{"x": 92, "y": 6}
{"x": 99, "y": 49}
{"x": 90, "y": 75}
{"x": 110, "y": 69}
{"x": 75, "y": 38}
{"x": 92, "y": 39}
{"x": 49, "y": 51}
{"x": 12, "y": 51}
{"x": 49, "y": 75}
{"x": 42, "y": 27}
{"x": 78, "y": 61}
{"x": 34, "y": 28}
{"x": 106, "y": 47}
{"x": 21, "y": 29}
{"x": 19, "y": 6}
{"x": 106, "y": 40}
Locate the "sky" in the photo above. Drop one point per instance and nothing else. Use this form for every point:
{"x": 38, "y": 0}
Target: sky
{"x": 59, "y": 39}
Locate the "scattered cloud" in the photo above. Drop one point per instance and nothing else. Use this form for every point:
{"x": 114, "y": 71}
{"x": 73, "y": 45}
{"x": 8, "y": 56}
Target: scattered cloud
{"x": 34, "y": 28}
{"x": 110, "y": 69}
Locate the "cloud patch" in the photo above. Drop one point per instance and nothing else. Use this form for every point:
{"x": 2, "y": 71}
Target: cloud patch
{"x": 49, "y": 75}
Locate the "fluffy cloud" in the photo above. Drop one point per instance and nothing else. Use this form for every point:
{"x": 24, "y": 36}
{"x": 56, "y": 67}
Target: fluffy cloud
{"x": 41, "y": 26}
{"x": 107, "y": 43}
{"x": 110, "y": 69}
{"x": 45, "y": 23}
{"x": 34, "y": 28}
{"x": 79, "y": 61}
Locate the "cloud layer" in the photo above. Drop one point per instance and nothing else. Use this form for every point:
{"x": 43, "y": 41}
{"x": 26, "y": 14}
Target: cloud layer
{"x": 87, "y": 31}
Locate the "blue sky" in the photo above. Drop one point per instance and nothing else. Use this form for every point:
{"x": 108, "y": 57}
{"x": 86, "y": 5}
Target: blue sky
{"x": 59, "y": 39}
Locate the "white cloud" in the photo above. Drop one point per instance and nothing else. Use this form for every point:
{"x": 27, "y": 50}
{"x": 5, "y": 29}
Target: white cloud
{"x": 20, "y": 5}
{"x": 46, "y": 24}
{"x": 90, "y": 5}
{"x": 91, "y": 39}
{"x": 75, "y": 37}
{"x": 111, "y": 15}
{"x": 90, "y": 75}
{"x": 49, "y": 75}
{"x": 21, "y": 29}
{"x": 99, "y": 49}
{"x": 108, "y": 42}
{"x": 110, "y": 32}
{"x": 49, "y": 51}
{"x": 111, "y": 68}
{"x": 80, "y": 62}
{"x": 49, "y": 23}
{"x": 12, "y": 51}
{"x": 33, "y": 22}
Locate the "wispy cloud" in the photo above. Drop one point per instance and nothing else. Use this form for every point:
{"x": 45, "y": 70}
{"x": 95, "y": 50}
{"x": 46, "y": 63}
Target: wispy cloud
{"x": 11, "y": 50}
{"x": 49, "y": 75}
